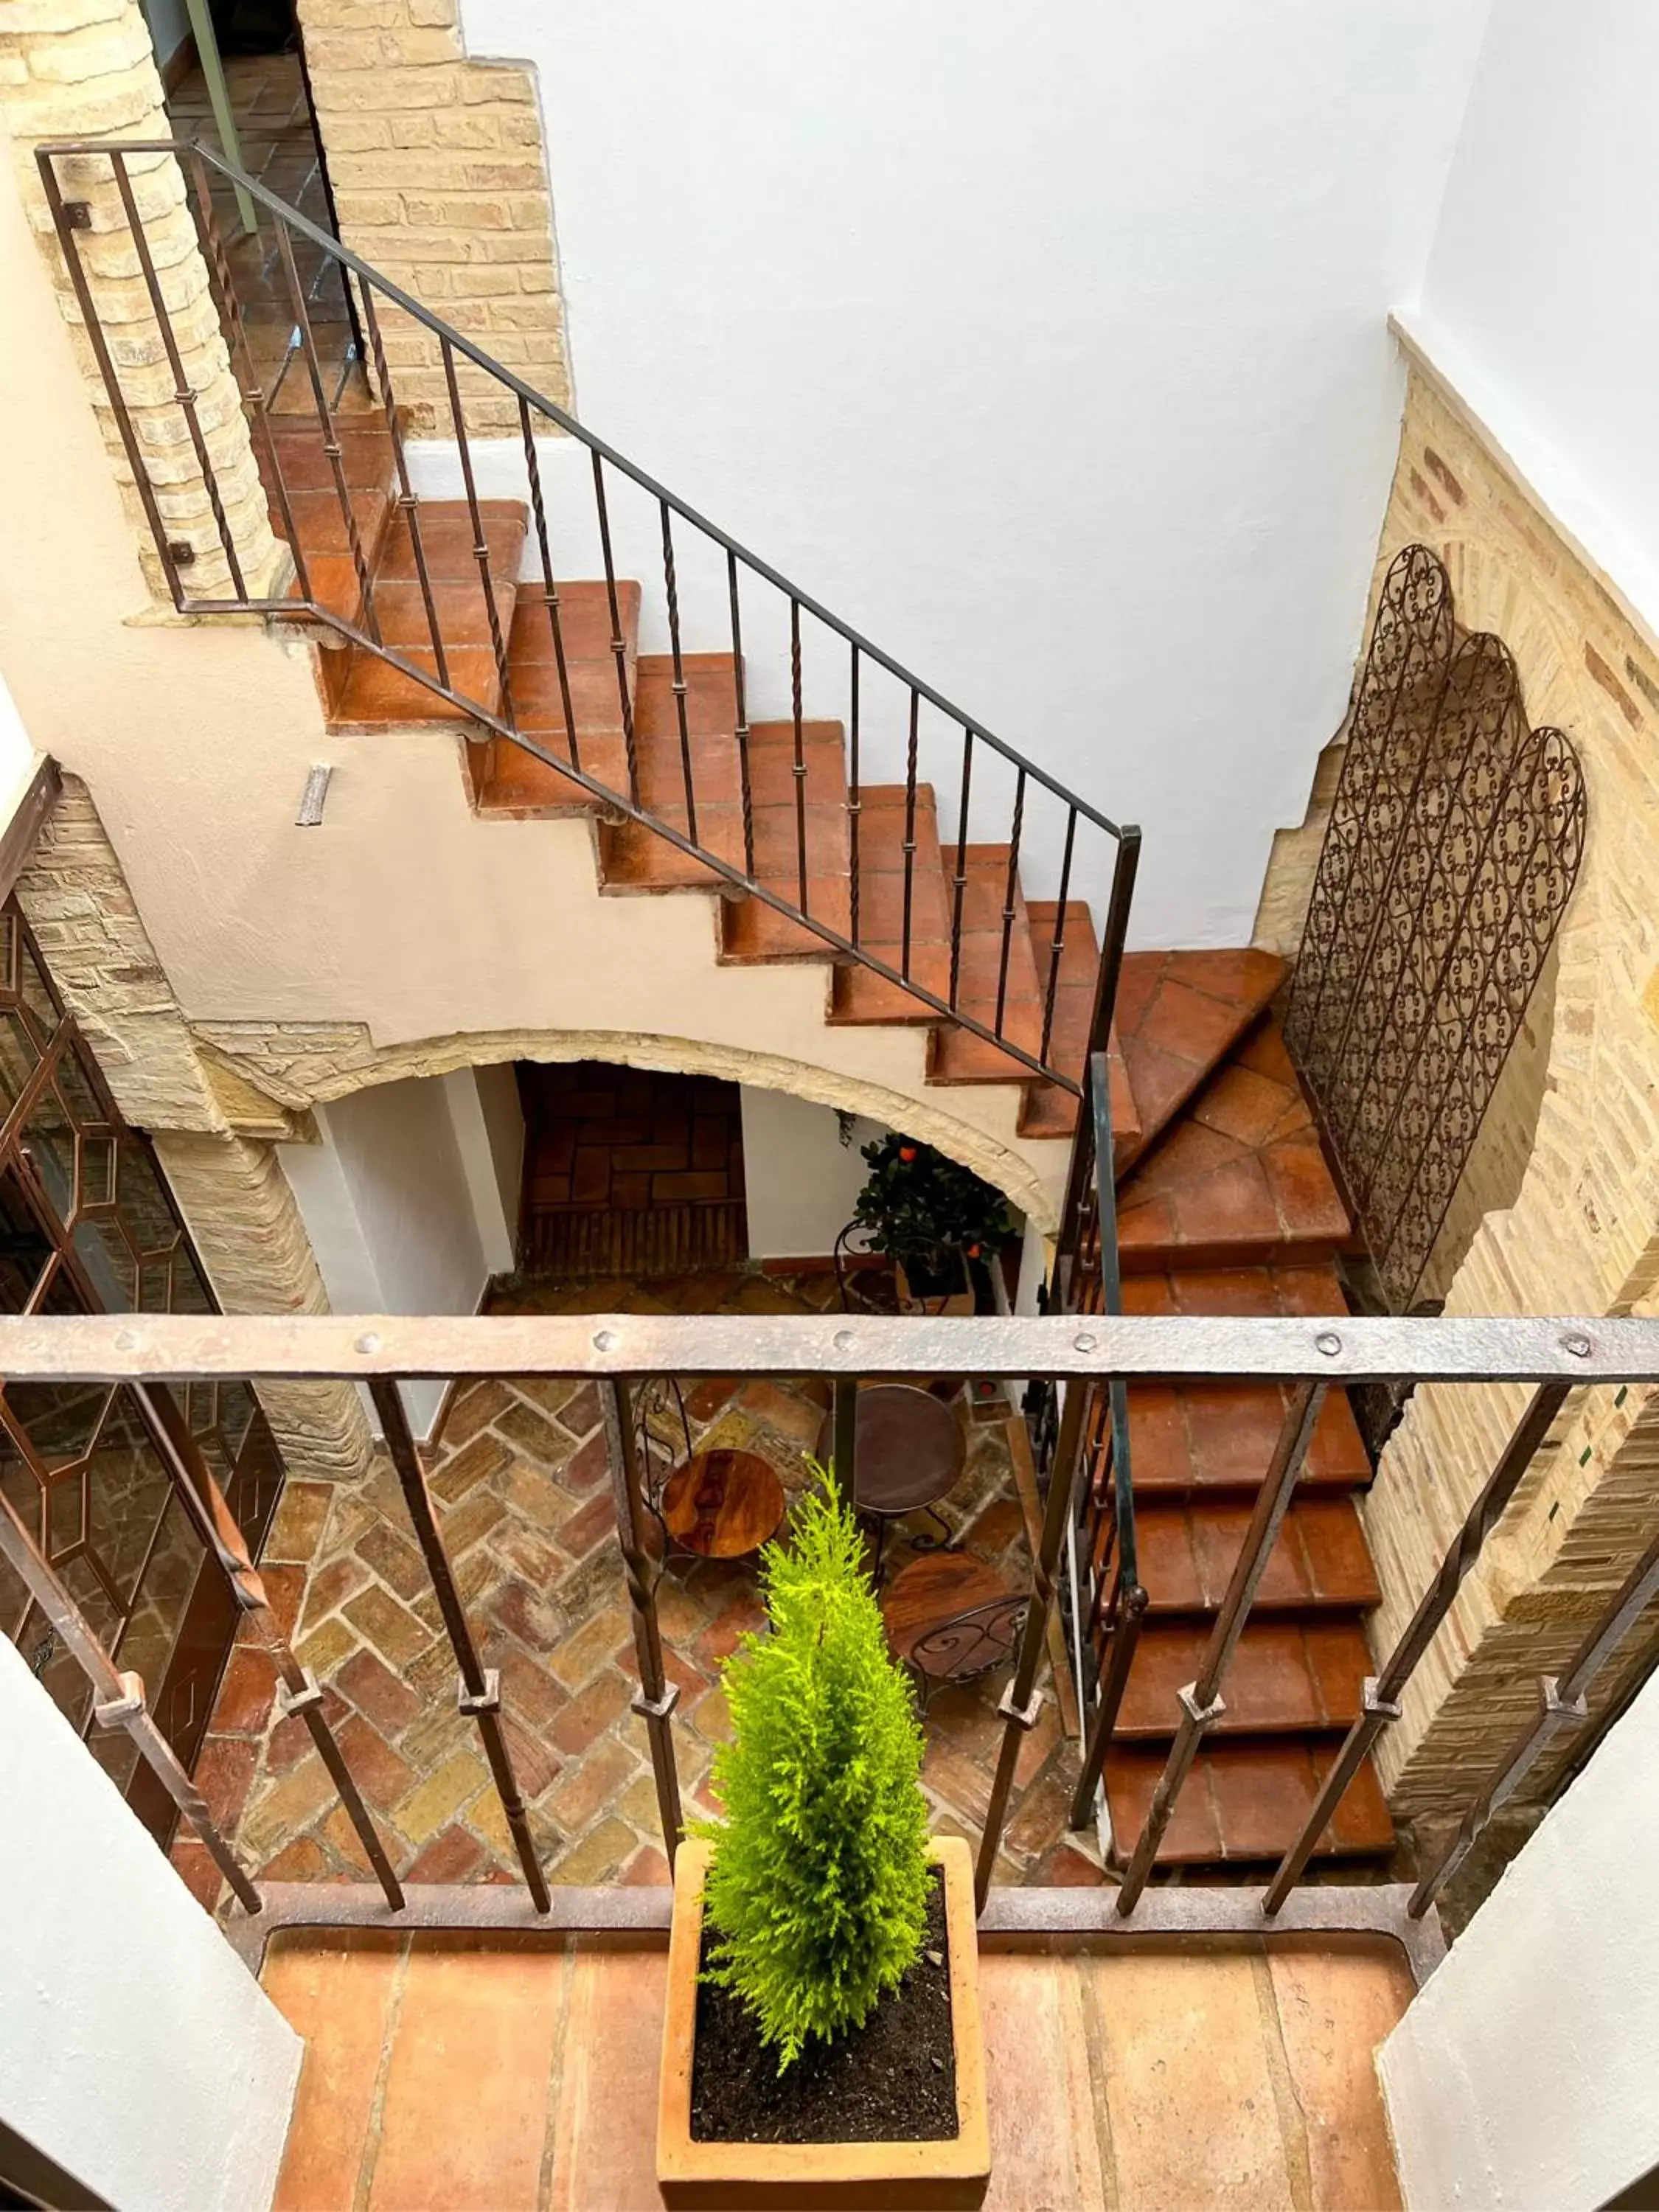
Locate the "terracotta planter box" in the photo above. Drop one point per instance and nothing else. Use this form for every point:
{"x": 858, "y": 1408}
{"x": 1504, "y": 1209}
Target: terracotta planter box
{"x": 877, "y": 2175}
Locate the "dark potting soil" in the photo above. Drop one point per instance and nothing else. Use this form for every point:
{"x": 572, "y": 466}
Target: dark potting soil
{"x": 894, "y": 2080}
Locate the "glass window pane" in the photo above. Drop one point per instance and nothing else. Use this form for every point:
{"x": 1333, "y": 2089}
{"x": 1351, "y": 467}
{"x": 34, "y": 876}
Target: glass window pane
{"x": 89, "y": 1593}
{"x": 174, "y": 1567}
{"x": 190, "y": 1294}
{"x": 19, "y": 1058}
{"x": 103, "y": 1251}
{"x": 49, "y": 1146}
{"x": 60, "y": 1419}
{"x": 24, "y": 1246}
{"x": 66, "y": 1508}
{"x": 85, "y": 1106}
{"x": 130, "y": 1487}
{"x": 34, "y": 993}
{"x": 141, "y": 1202}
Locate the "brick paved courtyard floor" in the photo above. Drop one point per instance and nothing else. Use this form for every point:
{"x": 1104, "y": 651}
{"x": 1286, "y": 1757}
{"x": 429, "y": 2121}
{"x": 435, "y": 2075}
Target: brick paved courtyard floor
{"x": 518, "y": 1473}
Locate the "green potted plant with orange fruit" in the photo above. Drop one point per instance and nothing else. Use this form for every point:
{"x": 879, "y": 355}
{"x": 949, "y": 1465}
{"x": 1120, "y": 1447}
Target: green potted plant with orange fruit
{"x": 933, "y": 1219}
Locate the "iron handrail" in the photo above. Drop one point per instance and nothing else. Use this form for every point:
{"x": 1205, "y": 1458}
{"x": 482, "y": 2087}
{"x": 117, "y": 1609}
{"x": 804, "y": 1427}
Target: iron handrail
{"x": 62, "y": 148}
{"x": 848, "y": 943}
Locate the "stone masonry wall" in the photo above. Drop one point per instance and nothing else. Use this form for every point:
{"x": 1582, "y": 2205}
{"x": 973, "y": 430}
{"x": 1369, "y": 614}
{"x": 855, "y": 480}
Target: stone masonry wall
{"x": 1574, "y": 1149}
{"x": 229, "y": 1184}
{"x": 440, "y": 180}
{"x": 86, "y": 69}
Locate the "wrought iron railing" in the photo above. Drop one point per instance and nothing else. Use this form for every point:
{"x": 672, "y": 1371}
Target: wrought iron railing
{"x": 1108, "y": 1600}
{"x": 902, "y": 737}
{"x": 1089, "y": 1353}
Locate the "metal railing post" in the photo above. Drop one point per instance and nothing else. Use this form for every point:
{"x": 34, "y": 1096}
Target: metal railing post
{"x": 1563, "y": 1708}
{"x": 1202, "y": 1702}
{"x": 1382, "y": 1698}
{"x": 658, "y": 1696}
{"x": 480, "y": 1692}
{"x": 120, "y": 1699}
{"x": 1022, "y": 1701}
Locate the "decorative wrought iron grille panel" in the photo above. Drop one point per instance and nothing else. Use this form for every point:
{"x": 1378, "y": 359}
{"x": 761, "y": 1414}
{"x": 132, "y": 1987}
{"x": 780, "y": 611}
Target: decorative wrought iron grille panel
{"x": 1454, "y": 843}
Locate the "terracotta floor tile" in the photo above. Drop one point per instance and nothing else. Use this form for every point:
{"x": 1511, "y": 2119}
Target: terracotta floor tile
{"x": 488, "y": 2018}
{"x": 1043, "y": 2150}
{"x": 339, "y": 1997}
{"x": 604, "y": 2132}
{"x": 1189, "y": 2087}
{"x": 1335, "y": 2009}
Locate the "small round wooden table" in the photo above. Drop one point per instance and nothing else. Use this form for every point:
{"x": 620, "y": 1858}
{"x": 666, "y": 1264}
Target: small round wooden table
{"x": 910, "y": 1450}
{"x": 723, "y": 1504}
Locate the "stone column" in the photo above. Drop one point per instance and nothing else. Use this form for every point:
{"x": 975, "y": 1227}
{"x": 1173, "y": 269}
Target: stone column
{"x": 227, "y": 1178}
{"x": 86, "y": 69}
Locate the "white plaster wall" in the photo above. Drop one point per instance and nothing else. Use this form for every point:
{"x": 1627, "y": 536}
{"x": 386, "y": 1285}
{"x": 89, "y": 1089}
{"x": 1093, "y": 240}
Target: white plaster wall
{"x": 391, "y": 1210}
{"x": 1538, "y": 301}
{"x": 1048, "y": 348}
{"x": 1522, "y": 2077}
{"x": 18, "y": 758}
{"x": 800, "y": 1181}
{"x": 488, "y": 1123}
{"x": 136, "y": 2050}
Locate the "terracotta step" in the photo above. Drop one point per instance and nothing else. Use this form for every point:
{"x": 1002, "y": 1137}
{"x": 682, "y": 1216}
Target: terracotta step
{"x": 1187, "y": 1439}
{"x": 1286, "y": 1677}
{"x": 1217, "y": 1438}
{"x": 958, "y": 1055}
{"x": 513, "y": 782}
{"x": 1178, "y": 1015}
{"x": 1239, "y": 1178}
{"x": 751, "y": 931}
{"x": 366, "y": 693}
{"x": 1187, "y": 1550}
{"x": 1045, "y": 1110}
{"x": 1244, "y": 1800}
{"x": 859, "y": 994}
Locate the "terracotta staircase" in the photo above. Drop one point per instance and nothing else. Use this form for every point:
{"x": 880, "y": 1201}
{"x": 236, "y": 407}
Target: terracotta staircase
{"x": 362, "y": 693}
{"x": 1226, "y": 1206}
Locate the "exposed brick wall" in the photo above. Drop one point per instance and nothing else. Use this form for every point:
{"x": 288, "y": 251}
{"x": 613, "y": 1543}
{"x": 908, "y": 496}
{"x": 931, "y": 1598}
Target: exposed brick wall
{"x": 440, "y": 180}
{"x": 230, "y": 1185}
{"x": 1568, "y": 1162}
{"x": 83, "y": 70}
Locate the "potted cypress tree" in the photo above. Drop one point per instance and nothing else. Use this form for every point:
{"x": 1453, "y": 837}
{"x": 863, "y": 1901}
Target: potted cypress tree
{"x": 934, "y": 1219}
{"x": 822, "y": 2041}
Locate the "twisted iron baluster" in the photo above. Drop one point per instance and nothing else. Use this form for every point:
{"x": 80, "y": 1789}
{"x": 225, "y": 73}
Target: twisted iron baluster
{"x": 960, "y": 880}
{"x": 480, "y": 542}
{"x": 1008, "y": 908}
{"x": 182, "y": 391}
{"x": 407, "y": 502}
{"x": 672, "y": 588}
{"x": 618, "y": 643}
{"x": 742, "y": 684}
{"x": 253, "y": 396}
{"x": 854, "y": 804}
{"x": 800, "y": 754}
{"x": 549, "y": 589}
{"x": 330, "y": 435}
{"x": 1057, "y": 943}
{"x": 910, "y": 834}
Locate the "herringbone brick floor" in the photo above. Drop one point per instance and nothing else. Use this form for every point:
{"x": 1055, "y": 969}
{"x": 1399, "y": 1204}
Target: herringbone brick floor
{"x": 518, "y": 1473}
